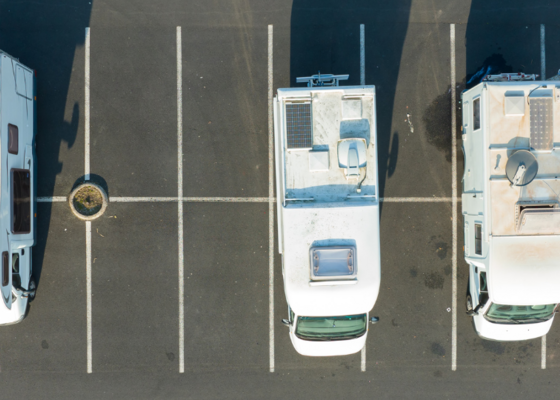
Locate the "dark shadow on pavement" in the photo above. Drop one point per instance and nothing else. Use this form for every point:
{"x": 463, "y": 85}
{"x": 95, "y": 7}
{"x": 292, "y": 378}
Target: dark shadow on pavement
{"x": 44, "y": 35}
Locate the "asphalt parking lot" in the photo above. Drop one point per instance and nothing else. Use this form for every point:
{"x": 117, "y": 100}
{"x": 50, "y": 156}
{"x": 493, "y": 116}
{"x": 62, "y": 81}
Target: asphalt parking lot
{"x": 163, "y": 298}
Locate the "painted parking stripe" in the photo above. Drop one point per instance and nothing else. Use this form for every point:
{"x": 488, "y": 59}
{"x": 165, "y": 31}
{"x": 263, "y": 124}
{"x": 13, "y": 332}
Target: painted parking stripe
{"x": 363, "y": 355}
{"x": 543, "y": 77}
{"x": 88, "y": 301}
{"x": 362, "y": 55}
{"x": 119, "y": 199}
{"x": 543, "y": 352}
{"x": 190, "y": 199}
{"x": 55, "y": 199}
{"x": 416, "y": 199}
{"x": 270, "y": 203}
{"x": 363, "y": 82}
{"x": 454, "y": 202}
{"x": 88, "y": 223}
{"x": 543, "y": 54}
{"x": 87, "y": 106}
{"x": 181, "y": 255}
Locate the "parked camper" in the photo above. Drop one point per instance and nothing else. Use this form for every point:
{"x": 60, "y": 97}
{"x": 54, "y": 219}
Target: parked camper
{"x": 511, "y": 134}
{"x": 328, "y": 212}
{"x": 17, "y": 199}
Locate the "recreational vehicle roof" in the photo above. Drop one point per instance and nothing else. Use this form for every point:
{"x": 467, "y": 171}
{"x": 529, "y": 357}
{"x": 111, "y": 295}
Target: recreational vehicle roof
{"x": 313, "y": 123}
{"x": 326, "y": 171}
{"x": 523, "y": 118}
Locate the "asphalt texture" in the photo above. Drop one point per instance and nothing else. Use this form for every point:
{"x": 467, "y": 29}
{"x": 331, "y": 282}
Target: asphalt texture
{"x": 135, "y": 324}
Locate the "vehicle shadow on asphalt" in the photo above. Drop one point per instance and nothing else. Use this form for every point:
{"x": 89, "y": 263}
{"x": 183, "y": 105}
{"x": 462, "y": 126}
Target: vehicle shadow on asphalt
{"x": 45, "y": 36}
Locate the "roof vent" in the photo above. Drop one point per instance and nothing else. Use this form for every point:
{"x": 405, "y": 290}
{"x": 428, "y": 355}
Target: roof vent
{"x": 352, "y": 156}
{"x": 351, "y": 109}
{"x": 319, "y": 161}
{"x": 539, "y": 222}
{"x": 541, "y": 205}
{"x": 334, "y": 262}
{"x": 514, "y": 103}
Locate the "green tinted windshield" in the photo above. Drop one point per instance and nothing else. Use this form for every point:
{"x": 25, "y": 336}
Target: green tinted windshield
{"x": 331, "y": 328}
{"x": 519, "y": 314}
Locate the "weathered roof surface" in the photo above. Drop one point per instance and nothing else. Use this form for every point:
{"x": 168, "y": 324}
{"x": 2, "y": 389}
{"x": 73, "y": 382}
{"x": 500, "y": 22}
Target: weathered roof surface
{"x": 504, "y": 135}
{"x": 525, "y": 270}
{"x": 332, "y": 120}
{"x": 330, "y": 224}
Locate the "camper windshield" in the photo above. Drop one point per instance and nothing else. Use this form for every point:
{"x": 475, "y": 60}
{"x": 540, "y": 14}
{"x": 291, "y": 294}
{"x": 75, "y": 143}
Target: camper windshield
{"x": 519, "y": 314}
{"x": 331, "y": 328}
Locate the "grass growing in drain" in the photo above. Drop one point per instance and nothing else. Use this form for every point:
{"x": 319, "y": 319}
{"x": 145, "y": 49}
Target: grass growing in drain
{"x": 88, "y": 200}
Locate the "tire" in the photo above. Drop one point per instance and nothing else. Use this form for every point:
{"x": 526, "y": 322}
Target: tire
{"x": 468, "y": 303}
{"x": 32, "y": 286}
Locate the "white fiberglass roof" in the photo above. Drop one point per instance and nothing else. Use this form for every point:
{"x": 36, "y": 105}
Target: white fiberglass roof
{"x": 311, "y": 169}
{"x": 331, "y": 224}
{"x": 507, "y": 127}
{"x": 525, "y": 270}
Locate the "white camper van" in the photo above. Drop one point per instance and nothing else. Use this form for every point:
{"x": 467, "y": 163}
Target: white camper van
{"x": 511, "y": 184}
{"x": 17, "y": 183}
{"x": 328, "y": 212}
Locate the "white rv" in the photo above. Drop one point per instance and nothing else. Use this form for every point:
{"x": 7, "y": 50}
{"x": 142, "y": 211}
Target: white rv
{"x": 17, "y": 199}
{"x": 328, "y": 212}
{"x": 511, "y": 184}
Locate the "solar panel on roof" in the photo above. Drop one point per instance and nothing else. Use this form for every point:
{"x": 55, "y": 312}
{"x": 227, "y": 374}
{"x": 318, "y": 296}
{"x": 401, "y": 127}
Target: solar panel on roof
{"x": 540, "y": 110}
{"x": 298, "y": 125}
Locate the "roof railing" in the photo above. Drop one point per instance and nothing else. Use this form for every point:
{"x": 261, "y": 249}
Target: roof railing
{"x": 322, "y": 80}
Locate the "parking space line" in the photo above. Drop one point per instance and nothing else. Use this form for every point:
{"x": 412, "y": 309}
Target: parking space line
{"x": 363, "y": 82}
{"x": 117, "y": 199}
{"x": 543, "y": 77}
{"x": 181, "y": 256}
{"x": 454, "y": 203}
{"x": 362, "y": 55}
{"x": 415, "y": 199}
{"x": 88, "y": 294}
{"x": 270, "y": 203}
{"x": 543, "y": 55}
{"x": 87, "y": 176}
{"x": 54, "y": 199}
{"x": 120, "y": 199}
{"x": 363, "y": 358}
{"x": 86, "y": 107}
{"x": 543, "y": 352}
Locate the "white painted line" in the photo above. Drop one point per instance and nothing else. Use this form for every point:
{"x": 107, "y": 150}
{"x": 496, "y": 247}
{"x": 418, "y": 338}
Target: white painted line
{"x": 270, "y": 204}
{"x": 363, "y": 82}
{"x": 121, "y": 199}
{"x": 454, "y": 205}
{"x": 88, "y": 294}
{"x": 362, "y": 55}
{"x": 415, "y": 199}
{"x": 180, "y": 203}
{"x": 88, "y": 223}
{"x": 86, "y": 107}
{"x": 543, "y": 352}
{"x": 113, "y": 199}
{"x": 55, "y": 199}
{"x": 118, "y": 199}
{"x": 364, "y": 358}
{"x": 228, "y": 199}
{"x": 543, "y": 57}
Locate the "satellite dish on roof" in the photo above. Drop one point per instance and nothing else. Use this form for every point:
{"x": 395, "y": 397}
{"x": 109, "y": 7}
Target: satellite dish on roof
{"x": 522, "y": 168}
